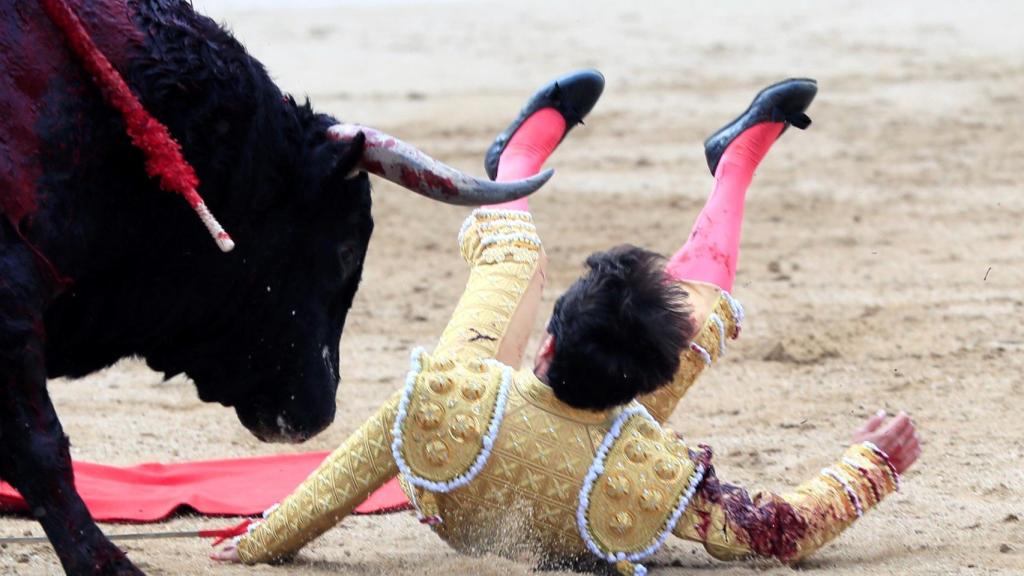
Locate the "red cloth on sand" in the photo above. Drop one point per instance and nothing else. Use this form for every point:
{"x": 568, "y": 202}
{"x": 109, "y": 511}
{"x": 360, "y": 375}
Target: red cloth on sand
{"x": 235, "y": 487}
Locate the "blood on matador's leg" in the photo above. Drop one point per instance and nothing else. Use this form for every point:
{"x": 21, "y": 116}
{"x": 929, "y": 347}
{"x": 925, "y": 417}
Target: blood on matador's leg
{"x": 711, "y": 254}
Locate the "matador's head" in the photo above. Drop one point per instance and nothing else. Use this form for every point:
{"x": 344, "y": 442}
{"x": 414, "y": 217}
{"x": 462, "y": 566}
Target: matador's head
{"x": 617, "y": 332}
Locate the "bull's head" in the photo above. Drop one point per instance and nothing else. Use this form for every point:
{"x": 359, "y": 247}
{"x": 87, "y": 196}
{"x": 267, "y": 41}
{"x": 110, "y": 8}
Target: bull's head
{"x": 273, "y": 354}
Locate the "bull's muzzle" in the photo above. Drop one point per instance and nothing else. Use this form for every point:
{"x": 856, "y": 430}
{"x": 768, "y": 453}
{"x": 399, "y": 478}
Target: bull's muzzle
{"x": 407, "y": 166}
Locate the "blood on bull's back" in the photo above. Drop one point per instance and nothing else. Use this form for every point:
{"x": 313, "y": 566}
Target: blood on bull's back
{"x": 36, "y": 72}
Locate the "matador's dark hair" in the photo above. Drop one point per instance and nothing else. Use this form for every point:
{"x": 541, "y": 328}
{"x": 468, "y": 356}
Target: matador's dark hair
{"x": 619, "y": 330}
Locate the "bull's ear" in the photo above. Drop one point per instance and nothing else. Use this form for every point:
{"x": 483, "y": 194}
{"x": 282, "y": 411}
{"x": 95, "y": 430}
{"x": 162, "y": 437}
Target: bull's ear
{"x": 328, "y": 165}
{"x": 348, "y": 155}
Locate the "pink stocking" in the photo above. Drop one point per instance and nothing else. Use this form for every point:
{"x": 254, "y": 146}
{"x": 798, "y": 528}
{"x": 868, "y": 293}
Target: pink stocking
{"x": 526, "y": 152}
{"x": 712, "y": 251}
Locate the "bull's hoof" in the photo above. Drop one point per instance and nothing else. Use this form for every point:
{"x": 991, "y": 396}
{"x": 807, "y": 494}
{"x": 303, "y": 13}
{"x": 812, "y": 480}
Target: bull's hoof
{"x": 573, "y": 96}
{"x": 128, "y": 570}
{"x": 123, "y": 568}
{"x": 786, "y": 102}
{"x": 102, "y": 559}
{"x": 111, "y": 561}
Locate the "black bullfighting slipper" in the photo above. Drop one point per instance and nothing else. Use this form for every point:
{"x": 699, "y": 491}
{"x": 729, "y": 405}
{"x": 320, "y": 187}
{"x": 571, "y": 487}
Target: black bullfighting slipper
{"x": 572, "y": 95}
{"x": 785, "y": 102}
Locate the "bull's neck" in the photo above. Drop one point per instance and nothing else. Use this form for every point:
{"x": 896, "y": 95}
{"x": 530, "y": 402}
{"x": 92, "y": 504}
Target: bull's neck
{"x": 216, "y": 100}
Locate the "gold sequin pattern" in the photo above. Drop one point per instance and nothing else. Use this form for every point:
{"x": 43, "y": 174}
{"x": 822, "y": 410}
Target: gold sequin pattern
{"x": 442, "y": 432}
{"x": 532, "y": 480}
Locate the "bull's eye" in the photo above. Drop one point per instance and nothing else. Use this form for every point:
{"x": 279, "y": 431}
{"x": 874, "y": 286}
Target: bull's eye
{"x": 347, "y": 260}
{"x": 344, "y": 279}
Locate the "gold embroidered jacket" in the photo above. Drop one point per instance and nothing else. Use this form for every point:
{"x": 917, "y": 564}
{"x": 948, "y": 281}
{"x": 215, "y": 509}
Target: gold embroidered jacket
{"x": 495, "y": 463}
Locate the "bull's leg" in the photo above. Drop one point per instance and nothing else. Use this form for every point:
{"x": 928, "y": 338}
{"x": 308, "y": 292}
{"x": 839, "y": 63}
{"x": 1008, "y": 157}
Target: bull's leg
{"x": 34, "y": 455}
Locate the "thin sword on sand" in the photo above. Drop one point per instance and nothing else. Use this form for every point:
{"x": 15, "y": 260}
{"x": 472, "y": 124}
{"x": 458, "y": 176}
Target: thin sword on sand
{"x": 221, "y": 534}
{"x": 125, "y": 536}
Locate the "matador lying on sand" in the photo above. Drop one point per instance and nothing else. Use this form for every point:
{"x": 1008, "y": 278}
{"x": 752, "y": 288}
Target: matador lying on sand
{"x": 573, "y": 451}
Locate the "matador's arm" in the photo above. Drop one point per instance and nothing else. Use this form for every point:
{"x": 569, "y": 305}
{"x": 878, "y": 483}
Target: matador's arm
{"x": 496, "y": 313}
{"x": 732, "y": 525}
{"x": 344, "y": 480}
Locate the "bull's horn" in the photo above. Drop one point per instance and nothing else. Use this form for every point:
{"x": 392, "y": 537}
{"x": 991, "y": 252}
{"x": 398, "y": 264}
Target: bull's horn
{"x": 403, "y": 164}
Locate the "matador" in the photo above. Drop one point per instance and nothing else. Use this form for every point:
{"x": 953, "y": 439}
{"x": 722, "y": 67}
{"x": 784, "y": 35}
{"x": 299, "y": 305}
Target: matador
{"x": 572, "y": 456}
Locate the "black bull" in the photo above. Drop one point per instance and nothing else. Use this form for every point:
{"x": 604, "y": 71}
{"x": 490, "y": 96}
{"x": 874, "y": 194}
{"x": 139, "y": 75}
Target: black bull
{"x": 97, "y": 263}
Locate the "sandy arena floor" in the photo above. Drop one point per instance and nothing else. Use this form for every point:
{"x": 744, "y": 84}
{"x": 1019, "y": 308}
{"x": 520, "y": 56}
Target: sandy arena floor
{"x": 890, "y": 233}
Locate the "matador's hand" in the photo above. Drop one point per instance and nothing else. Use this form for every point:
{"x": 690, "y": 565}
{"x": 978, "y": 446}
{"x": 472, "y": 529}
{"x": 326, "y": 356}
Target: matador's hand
{"x": 896, "y": 436}
{"x": 228, "y": 553}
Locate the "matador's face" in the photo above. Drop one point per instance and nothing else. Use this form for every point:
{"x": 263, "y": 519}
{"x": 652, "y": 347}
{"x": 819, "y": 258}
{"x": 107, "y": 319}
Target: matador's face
{"x": 542, "y": 358}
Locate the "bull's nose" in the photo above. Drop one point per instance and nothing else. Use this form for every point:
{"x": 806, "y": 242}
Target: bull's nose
{"x": 281, "y": 432}
{"x": 284, "y": 427}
